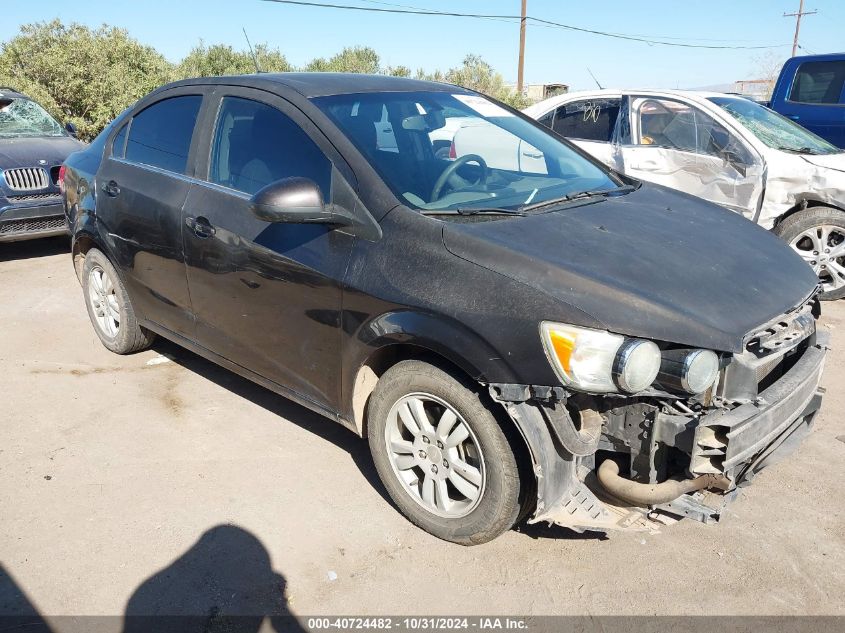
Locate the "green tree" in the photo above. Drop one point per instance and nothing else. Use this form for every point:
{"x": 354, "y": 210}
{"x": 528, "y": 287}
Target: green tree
{"x": 476, "y": 74}
{"x": 398, "y": 71}
{"x": 357, "y": 59}
{"x": 219, "y": 59}
{"x": 88, "y": 76}
{"x": 81, "y": 75}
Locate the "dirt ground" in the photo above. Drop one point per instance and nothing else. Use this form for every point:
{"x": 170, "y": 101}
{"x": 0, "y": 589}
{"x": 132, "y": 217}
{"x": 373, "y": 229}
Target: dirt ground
{"x": 159, "y": 481}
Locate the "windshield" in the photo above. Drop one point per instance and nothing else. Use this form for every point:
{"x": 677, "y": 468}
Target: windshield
{"x": 773, "y": 129}
{"x": 441, "y": 151}
{"x": 22, "y": 117}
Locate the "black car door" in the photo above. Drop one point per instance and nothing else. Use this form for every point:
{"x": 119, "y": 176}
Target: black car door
{"x": 267, "y": 296}
{"x": 142, "y": 185}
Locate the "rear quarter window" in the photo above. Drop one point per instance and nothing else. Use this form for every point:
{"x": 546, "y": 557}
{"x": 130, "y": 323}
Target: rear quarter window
{"x": 119, "y": 143}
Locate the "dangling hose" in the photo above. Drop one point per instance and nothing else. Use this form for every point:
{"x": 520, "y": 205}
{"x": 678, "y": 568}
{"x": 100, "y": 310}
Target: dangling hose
{"x": 653, "y": 494}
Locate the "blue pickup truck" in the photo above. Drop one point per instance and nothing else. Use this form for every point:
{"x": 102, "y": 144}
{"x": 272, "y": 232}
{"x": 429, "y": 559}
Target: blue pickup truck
{"x": 811, "y": 91}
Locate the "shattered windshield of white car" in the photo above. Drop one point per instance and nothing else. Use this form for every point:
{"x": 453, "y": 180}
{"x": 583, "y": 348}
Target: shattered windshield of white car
{"x": 774, "y": 130}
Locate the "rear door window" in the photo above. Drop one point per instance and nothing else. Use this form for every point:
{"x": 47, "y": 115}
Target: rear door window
{"x": 819, "y": 82}
{"x": 160, "y": 135}
{"x": 256, "y": 144}
{"x": 588, "y": 120}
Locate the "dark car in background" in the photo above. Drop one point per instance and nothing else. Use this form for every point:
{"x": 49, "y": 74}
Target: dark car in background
{"x": 33, "y": 146}
{"x": 556, "y": 341}
{"x": 811, "y": 91}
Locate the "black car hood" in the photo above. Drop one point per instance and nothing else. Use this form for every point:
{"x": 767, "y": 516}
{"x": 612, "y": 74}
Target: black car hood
{"x": 654, "y": 263}
{"x": 28, "y": 151}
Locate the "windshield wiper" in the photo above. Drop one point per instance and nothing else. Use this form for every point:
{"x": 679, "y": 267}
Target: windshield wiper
{"x": 798, "y": 150}
{"x": 581, "y": 195}
{"x": 474, "y": 211}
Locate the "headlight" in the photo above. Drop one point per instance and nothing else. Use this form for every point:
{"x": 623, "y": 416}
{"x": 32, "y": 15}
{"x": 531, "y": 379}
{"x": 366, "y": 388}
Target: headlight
{"x": 637, "y": 364}
{"x": 598, "y": 361}
{"x": 690, "y": 370}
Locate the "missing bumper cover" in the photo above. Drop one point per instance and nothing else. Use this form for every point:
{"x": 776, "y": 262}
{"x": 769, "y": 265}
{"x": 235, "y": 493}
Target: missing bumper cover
{"x": 746, "y": 438}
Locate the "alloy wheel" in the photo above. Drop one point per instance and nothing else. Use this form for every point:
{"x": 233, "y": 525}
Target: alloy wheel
{"x": 435, "y": 455}
{"x": 823, "y": 248}
{"x": 104, "y": 303}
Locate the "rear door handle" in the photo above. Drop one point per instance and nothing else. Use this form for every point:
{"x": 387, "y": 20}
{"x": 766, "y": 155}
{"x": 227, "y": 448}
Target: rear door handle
{"x": 111, "y": 188}
{"x": 201, "y": 227}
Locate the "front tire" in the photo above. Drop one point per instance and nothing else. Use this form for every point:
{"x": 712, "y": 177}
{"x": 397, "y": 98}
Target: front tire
{"x": 817, "y": 234}
{"x": 109, "y": 307}
{"x": 442, "y": 455}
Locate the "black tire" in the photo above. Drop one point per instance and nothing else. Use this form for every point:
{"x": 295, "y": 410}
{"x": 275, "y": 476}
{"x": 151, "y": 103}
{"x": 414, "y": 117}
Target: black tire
{"x": 499, "y": 504}
{"x": 793, "y": 226}
{"x": 129, "y": 336}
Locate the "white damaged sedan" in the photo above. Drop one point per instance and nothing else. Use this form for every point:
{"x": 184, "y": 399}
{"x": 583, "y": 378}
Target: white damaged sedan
{"x": 723, "y": 148}
{"x": 726, "y": 149}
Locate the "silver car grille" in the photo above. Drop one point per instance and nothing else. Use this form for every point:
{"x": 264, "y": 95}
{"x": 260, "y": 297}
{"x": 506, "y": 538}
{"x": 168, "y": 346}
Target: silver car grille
{"x": 26, "y": 179}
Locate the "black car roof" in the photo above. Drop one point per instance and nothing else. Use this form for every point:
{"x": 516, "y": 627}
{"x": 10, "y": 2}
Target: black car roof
{"x": 324, "y": 84}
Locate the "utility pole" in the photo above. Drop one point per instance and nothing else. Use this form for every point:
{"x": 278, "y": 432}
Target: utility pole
{"x": 519, "y": 72}
{"x": 798, "y": 16}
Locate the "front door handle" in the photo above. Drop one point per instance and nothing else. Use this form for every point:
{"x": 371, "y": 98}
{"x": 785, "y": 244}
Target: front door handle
{"x": 646, "y": 165}
{"x": 111, "y": 189}
{"x": 201, "y": 227}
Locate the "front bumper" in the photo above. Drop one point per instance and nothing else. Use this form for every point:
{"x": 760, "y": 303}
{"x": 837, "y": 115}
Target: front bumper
{"x": 31, "y": 221}
{"x": 733, "y": 443}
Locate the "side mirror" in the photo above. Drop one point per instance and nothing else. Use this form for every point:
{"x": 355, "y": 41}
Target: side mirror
{"x": 296, "y": 201}
{"x": 71, "y": 129}
{"x": 735, "y": 160}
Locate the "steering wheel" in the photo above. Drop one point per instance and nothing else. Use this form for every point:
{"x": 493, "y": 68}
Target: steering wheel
{"x": 449, "y": 174}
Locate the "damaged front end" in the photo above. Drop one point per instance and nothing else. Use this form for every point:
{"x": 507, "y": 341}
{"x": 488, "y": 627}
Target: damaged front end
{"x": 610, "y": 461}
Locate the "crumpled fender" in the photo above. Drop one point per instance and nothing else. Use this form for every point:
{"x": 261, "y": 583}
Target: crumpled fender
{"x": 795, "y": 180}
{"x": 563, "y": 497}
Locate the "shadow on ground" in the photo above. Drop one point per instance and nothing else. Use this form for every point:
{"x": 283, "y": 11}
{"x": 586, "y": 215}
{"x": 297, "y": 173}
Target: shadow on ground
{"x": 280, "y": 406}
{"x": 314, "y": 423}
{"x": 224, "y": 582}
{"x": 30, "y": 249}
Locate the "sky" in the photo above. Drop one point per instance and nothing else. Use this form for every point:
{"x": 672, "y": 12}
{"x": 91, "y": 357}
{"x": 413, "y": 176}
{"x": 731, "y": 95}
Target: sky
{"x": 552, "y": 55}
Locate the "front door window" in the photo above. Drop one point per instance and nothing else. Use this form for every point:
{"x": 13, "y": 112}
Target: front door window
{"x": 256, "y": 144}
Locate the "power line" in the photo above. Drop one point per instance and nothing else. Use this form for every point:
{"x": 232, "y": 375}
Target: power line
{"x": 507, "y": 20}
{"x": 402, "y": 9}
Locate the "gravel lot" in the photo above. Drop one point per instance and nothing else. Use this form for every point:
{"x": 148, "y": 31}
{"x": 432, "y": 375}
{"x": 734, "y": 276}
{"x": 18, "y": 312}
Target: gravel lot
{"x": 160, "y": 482}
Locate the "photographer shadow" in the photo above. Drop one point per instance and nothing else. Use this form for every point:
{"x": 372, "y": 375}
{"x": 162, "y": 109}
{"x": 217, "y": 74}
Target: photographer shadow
{"x": 224, "y": 582}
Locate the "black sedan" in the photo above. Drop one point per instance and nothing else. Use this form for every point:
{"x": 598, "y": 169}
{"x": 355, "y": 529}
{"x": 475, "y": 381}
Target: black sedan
{"x": 553, "y": 341}
{"x": 33, "y": 146}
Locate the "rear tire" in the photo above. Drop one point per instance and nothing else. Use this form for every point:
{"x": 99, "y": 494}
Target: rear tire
{"x": 817, "y": 234}
{"x": 442, "y": 455}
{"x": 109, "y": 307}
